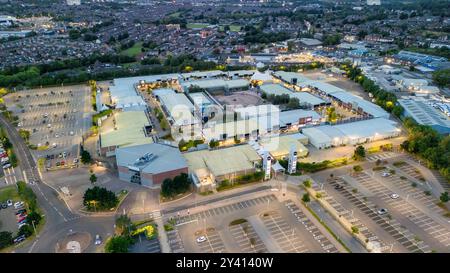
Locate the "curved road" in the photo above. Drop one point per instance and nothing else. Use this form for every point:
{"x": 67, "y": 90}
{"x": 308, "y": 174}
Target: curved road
{"x": 59, "y": 220}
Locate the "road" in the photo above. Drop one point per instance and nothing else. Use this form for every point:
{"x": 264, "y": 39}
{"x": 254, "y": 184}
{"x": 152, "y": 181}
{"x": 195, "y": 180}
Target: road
{"x": 58, "y": 218}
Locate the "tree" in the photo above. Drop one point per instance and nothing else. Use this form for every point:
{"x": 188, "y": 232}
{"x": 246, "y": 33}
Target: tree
{"x": 93, "y": 178}
{"x": 34, "y": 218}
{"x": 118, "y": 244}
{"x": 360, "y": 153}
{"x": 306, "y": 198}
{"x": 442, "y": 78}
{"x": 178, "y": 185}
{"x": 357, "y": 168}
{"x": 213, "y": 143}
{"x": 444, "y": 197}
{"x": 26, "y": 230}
{"x": 355, "y": 230}
{"x": 123, "y": 225}
{"x": 307, "y": 183}
{"x": 97, "y": 198}
{"x": 85, "y": 157}
{"x": 6, "y": 239}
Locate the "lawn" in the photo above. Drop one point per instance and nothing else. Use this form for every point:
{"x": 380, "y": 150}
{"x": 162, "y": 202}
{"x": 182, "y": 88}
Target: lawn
{"x": 9, "y": 192}
{"x": 233, "y": 28}
{"x": 197, "y": 25}
{"x": 133, "y": 51}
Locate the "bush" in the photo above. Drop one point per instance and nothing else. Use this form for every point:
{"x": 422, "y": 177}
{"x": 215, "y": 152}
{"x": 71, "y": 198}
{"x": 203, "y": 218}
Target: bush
{"x": 118, "y": 244}
{"x": 307, "y": 183}
{"x": 306, "y": 198}
{"x": 238, "y": 222}
{"x": 357, "y": 168}
{"x": 178, "y": 185}
{"x": 26, "y": 230}
{"x": 6, "y": 239}
{"x": 97, "y": 198}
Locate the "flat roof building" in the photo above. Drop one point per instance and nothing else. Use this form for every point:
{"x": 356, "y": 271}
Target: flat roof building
{"x": 424, "y": 113}
{"x": 225, "y": 163}
{"x": 353, "y": 133}
{"x": 150, "y": 164}
{"x": 130, "y": 128}
{"x": 305, "y": 99}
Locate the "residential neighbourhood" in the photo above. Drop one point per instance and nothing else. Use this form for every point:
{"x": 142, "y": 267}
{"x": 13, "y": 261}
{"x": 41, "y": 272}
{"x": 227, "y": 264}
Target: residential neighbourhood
{"x": 244, "y": 126}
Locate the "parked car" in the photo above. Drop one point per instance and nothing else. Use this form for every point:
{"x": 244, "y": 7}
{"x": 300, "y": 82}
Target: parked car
{"x": 9, "y": 202}
{"x": 201, "y": 239}
{"x": 382, "y": 211}
{"x": 6, "y": 166}
{"x": 19, "y": 239}
{"x": 394, "y": 196}
{"x": 385, "y": 174}
{"x": 18, "y": 205}
{"x": 22, "y": 224}
{"x": 4, "y": 205}
{"x": 21, "y": 211}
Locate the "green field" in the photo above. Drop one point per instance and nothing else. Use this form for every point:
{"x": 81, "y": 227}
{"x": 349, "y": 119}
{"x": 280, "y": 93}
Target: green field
{"x": 9, "y": 192}
{"x": 197, "y": 25}
{"x": 233, "y": 28}
{"x": 175, "y": 14}
{"x": 133, "y": 51}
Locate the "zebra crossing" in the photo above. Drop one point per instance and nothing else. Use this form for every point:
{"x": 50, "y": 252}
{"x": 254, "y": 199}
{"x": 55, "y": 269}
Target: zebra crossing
{"x": 381, "y": 156}
{"x": 224, "y": 209}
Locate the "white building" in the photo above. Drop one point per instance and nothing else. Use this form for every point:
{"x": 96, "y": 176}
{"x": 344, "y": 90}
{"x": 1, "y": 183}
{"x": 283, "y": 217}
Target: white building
{"x": 351, "y": 133}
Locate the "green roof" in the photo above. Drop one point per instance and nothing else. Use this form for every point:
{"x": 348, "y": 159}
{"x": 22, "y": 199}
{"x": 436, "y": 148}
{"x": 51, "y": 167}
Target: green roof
{"x": 129, "y": 130}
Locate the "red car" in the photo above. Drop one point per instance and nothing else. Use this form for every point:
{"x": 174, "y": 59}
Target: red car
{"x": 21, "y": 218}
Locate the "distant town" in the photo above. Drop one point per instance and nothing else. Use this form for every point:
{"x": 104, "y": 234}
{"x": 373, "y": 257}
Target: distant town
{"x": 193, "y": 126}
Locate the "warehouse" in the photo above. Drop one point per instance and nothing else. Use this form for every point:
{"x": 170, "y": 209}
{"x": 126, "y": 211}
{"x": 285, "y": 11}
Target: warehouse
{"x": 150, "y": 164}
{"x": 423, "y": 113}
{"x": 125, "y": 96}
{"x": 290, "y": 77}
{"x": 178, "y": 108}
{"x": 294, "y": 119}
{"x": 361, "y": 106}
{"x": 217, "y": 86}
{"x": 203, "y": 75}
{"x": 280, "y": 146}
{"x": 305, "y": 99}
{"x": 218, "y": 165}
{"x": 240, "y": 129}
{"x": 347, "y": 100}
{"x": 130, "y": 128}
{"x": 370, "y": 130}
{"x": 204, "y": 105}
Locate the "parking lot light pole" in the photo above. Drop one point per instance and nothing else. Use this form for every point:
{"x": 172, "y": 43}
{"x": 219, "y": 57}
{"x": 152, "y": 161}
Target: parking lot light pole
{"x": 34, "y": 227}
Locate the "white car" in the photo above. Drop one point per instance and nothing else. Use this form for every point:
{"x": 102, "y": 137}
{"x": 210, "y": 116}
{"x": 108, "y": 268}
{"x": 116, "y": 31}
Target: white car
{"x": 6, "y": 166}
{"x": 22, "y": 224}
{"x": 18, "y": 205}
{"x": 9, "y": 203}
{"x": 394, "y": 196}
{"x": 382, "y": 211}
{"x": 98, "y": 240}
{"x": 385, "y": 174}
{"x": 201, "y": 239}
{"x": 71, "y": 133}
